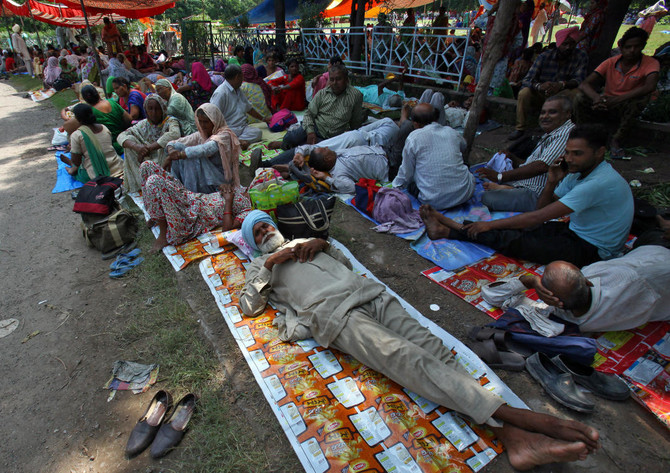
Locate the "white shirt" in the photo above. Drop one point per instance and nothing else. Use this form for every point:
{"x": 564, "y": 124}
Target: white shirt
{"x": 432, "y": 159}
{"x": 234, "y": 106}
{"x": 627, "y": 292}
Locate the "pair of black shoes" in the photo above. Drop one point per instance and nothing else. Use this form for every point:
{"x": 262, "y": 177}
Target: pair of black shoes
{"x": 559, "y": 377}
{"x": 152, "y": 430}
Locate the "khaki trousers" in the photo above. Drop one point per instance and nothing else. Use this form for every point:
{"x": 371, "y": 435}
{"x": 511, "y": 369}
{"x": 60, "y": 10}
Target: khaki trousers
{"x": 383, "y": 336}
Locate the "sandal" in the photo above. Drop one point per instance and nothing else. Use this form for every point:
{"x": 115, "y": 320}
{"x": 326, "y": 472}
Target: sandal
{"x": 502, "y": 339}
{"x": 495, "y": 358}
{"x": 124, "y": 262}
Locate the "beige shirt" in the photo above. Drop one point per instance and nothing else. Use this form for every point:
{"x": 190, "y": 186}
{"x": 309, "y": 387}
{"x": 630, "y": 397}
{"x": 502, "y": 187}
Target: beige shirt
{"x": 315, "y": 297}
{"x": 114, "y": 162}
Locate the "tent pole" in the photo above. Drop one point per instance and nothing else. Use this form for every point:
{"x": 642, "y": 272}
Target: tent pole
{"x": 30, "y": 10}
{"x": 5, "y": 21}
{"x": 95, "y": 51}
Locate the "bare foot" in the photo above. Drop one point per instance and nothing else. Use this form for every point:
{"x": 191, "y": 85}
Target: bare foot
{"x": 244, "y": 145}
{"x": 158, "y": 245}
{"x": 274, "y": 145}
{"x": 434, "y": 228}
{"x": 568, "y": 430}
{"x": 526, "y": 450}
{"x": 663, "y": 223}
{"x": 151, "y": 223}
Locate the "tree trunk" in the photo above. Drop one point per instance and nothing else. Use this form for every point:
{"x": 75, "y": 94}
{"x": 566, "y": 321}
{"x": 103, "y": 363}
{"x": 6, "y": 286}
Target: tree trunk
{"x": 357, "y": 19}
{"x": 616, "y": 11}
{"x": 494, "y": 47}
{"x": 280, "y": 24}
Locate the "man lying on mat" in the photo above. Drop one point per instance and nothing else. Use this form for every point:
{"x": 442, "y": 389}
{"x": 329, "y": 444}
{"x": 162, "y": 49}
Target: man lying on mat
{"x": 356, "y": 315}
{"x": 582, "y": 186}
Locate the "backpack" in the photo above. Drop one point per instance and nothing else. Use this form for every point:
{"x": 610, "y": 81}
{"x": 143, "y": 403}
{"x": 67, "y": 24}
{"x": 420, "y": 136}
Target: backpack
{"x": 281, "y": 120}
{"x": 110, "y": 232}
{"x": 98, "y": 196}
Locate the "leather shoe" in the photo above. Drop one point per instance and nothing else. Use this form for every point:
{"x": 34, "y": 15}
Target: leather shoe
{"x": 173, "y": 430}
{"x": 145, "y": 430}
{"x": 557, "y": 384}
{"x": 600, "y": 384}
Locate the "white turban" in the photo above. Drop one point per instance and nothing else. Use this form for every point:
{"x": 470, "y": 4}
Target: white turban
{"x": 16, "y": 28}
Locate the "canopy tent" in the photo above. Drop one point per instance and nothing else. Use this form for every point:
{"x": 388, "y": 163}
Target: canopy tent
{"x": 378, "y": 6}
{"x": 126, "y": 8}
{"x": 58, "y": 15}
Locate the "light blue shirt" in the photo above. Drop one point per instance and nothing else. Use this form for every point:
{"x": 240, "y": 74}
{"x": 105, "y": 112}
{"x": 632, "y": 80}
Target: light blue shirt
{"x": 602, "y": 205}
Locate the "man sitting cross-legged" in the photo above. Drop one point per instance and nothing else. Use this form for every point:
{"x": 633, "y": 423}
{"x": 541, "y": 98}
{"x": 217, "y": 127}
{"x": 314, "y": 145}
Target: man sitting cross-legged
{"x": 523, "y": 185}
{"x": 356, "y": 315}
{"x": 597, "y": 199}
{"x": 432, "y": 168}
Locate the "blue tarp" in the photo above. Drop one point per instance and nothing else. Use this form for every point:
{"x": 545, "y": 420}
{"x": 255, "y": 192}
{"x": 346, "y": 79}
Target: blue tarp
{"x": 265, "y": 12}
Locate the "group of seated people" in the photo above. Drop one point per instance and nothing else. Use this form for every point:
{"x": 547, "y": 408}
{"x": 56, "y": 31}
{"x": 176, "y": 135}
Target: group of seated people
{"x": 186, "y": 164}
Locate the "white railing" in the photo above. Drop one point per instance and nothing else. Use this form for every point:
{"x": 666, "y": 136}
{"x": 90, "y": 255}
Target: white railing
{"x": 319, "y": 46}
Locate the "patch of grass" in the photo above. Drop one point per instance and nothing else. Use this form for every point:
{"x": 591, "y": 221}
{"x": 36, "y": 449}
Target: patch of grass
{"x": 162, "y": 329}
{"x": 60, "y": 100}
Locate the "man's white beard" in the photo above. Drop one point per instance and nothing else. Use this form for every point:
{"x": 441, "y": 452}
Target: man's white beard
{"x": 271, "y": 242}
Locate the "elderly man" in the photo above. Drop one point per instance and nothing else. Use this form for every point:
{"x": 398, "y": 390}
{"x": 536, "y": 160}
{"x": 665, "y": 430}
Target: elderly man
{"x": 626, "y": 80}
{"x": 595, "y": 196}
{"x": 356, "y": 315}
{"x": 234, "y": 105}
{"x": 619, "y": 294}
{"x": 432, "y": 166}
{"x": 332, "y": 111}
{"x": 21, "y": 49}
{"x": 557, "y": 71}
{"x": 524, "y": 184}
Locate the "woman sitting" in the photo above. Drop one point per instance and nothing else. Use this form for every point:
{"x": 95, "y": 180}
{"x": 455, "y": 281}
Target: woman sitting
{"x": 204, "y": 160}
{"x": 200, "y": 89}
{"x": 68, "y": 71}
{"x": 92, "y": 153}
{"x": 177, "y": 106}
{"x": 289, "y": 91}
{"x": 257, "y": 91}
{"x": 271, "y": 69}
{"x": 182, "y": 215}
{"x": 89, "y": 68}
{"x": 132, "y": 100}
{"x": 146, "y": 140}
{"x": 51, "y": 72}
{"x": 107, "y": 112}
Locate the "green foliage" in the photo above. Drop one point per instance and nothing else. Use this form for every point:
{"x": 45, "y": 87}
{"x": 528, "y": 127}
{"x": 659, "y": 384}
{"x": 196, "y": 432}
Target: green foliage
{"x": 214, "y": 9}
{"x": 311, "y": 14}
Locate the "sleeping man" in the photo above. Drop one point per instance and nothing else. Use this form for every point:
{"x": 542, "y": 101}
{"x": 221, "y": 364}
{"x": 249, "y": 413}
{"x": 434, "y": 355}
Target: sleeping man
{"x": 355, "y": 315}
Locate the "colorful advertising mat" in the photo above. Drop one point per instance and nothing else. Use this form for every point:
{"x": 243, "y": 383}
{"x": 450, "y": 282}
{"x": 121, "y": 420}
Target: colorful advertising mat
{"x": 340, "y": 415}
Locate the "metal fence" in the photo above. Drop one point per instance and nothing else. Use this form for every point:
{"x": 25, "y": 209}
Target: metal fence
{"x": 225, "y": 40}
{"x": 318, "y": 46}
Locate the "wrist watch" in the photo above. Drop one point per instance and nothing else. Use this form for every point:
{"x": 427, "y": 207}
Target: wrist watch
{"x": 499, "y": 177}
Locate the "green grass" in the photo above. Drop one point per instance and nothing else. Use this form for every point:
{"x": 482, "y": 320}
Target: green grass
{"x": 60, "y": 100}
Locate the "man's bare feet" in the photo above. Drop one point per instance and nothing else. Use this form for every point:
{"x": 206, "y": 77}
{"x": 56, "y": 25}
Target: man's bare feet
{"x": 526, "y": 450}
{"x": 274, "y": 145}
{"x": 437, "y": 225}
{"x": 244, "y": 145}
{"x": 568, "y": 430}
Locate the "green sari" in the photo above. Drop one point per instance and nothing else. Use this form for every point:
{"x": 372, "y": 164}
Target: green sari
{"x": 113, "y": 121}
{"x": 95, "y": 154}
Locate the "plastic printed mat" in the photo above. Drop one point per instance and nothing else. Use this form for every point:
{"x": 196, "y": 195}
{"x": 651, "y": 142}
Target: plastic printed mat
{"x": 340, "y": 415}
{"x": 467, "y": 283}
{"x": 642, "y": 358}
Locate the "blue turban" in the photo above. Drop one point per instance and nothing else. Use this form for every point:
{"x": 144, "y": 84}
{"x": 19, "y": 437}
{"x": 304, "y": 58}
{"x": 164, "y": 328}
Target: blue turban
{"x": 250, "y": 221}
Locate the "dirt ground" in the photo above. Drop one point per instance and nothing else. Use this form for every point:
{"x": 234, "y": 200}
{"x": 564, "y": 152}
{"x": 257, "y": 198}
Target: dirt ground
{"x": 55, "y": 417}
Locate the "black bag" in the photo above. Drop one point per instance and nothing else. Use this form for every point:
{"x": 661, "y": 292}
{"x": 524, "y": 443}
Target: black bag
{"x": 111, "y": 232}
{"x": 98, "y": 196}
{"x": 306, "y": 219}
{"x": 61, "y": 84}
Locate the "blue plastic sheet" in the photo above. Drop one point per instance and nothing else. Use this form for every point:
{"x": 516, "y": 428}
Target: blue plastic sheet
{"x": 64, "y": 182}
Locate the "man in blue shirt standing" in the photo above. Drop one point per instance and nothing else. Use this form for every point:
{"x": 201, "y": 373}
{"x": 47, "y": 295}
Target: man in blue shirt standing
{"x": 582, "y": 186}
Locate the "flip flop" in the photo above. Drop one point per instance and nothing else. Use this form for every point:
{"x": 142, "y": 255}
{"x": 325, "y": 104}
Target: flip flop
{"x": 123, "y": 262}
{"x": 131, "y": 254}
{"x": 489, "y": 353}
{"x": 502, "y": 339}
{"x": 120, "y": 250}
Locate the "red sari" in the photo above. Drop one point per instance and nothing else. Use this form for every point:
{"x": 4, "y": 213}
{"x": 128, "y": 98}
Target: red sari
{"x": 292, "y": 98}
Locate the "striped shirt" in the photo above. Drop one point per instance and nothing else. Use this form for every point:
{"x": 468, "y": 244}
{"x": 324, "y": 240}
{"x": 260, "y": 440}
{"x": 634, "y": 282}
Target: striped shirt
{"x": 549, "y": 149}
{"x": 432, "y": 159}
{"x": 329, "y": 115}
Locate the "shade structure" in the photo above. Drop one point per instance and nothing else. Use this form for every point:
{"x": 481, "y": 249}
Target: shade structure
{"x": 265, "y": 11}
{"x": 125, "y": 8}
{"x": 59, "y": 15}
{"x": 377, "y": 7}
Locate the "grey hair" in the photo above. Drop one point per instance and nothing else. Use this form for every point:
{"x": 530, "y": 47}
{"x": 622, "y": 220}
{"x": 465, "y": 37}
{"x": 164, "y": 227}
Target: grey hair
{"x": 339, "y": 68}
{"x": 571, "y": 281}
{"x": 566, "y": 102}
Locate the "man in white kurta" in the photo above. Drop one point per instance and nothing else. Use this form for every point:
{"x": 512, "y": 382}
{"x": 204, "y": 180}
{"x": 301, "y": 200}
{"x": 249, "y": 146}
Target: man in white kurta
{"x": 21, "y": 49}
